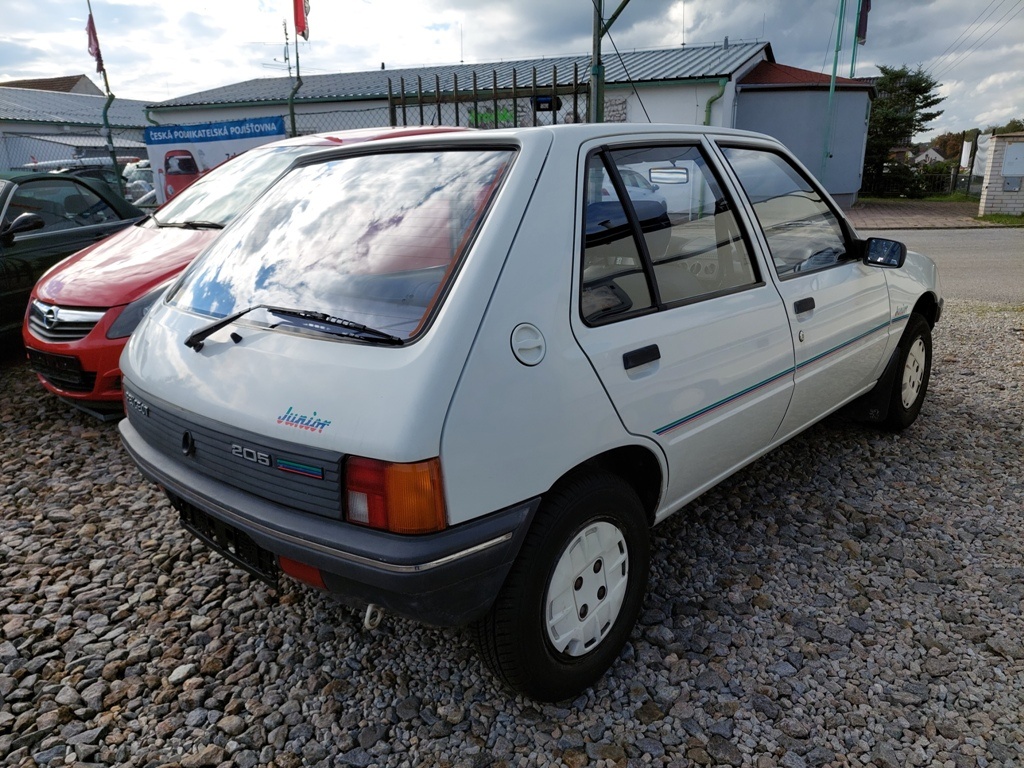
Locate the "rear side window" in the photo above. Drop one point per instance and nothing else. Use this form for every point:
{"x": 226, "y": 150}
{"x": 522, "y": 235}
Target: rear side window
{"x": 658, "y": 232}
{"x": 372, "y": 239}
{"x": 803, "y": 233}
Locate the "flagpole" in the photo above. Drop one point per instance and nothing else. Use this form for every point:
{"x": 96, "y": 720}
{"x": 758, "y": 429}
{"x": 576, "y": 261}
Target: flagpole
{"x": 106, "y": 106}
{"x": 856, "y": 41}
{"x": 830, "y": 118}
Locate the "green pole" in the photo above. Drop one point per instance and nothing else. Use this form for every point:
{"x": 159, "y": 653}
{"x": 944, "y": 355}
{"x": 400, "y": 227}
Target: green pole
{"x": 298, "y": 84}
{"x": 856, "y": 42}
{"x": 596, "y": 109}
{"x": 826, "y": 151}
{"x": 106, "y": 117}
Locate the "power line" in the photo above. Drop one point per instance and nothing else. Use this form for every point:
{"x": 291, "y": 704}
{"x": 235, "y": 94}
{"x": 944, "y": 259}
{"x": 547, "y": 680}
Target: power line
{"x": 953, "y": 64}
{"x": 941, "y": 56}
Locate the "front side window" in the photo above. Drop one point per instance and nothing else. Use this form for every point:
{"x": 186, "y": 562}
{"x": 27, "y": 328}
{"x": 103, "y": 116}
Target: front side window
{"x": 62, "y": 204}
{"x": 372, "y": 239}
{"x": 803, "y": 233}
{"x": 690, "y": 246}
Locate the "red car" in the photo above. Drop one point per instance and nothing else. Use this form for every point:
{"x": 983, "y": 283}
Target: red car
{"x": 83, "y": 310}
{"x": 180, "y": 170}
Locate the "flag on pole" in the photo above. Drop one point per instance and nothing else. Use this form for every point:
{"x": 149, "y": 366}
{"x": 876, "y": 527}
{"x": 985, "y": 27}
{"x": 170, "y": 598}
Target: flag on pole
{"x": 301, "y": 22}
{"x": 862, "y": 22}
{"x": 94, "y": 44}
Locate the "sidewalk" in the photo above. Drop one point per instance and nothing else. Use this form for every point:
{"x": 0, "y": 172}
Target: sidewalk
{"x": 914, "y": 214}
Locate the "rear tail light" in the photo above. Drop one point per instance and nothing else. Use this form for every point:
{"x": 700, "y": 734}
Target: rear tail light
{"x": 400, "y": 498}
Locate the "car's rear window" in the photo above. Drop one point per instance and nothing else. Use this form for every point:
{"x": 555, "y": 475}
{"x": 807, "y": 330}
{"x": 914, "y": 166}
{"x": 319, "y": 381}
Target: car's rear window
{"x": 372, "y": 239}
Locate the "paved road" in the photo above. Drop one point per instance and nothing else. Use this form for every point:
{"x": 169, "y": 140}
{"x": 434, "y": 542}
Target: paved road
{"x": 974, "y": 264}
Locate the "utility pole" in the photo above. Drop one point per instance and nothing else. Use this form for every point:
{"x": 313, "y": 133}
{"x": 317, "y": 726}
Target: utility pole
{"x": 596, "y": 106}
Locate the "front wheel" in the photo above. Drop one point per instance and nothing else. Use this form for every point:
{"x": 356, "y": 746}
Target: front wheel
{"x": 573, "y": 594}
{"x": 912, "y": 374}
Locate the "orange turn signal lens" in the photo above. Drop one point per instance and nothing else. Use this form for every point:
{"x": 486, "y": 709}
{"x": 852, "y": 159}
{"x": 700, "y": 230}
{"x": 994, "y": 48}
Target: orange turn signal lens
{"x": 401, "y": 498}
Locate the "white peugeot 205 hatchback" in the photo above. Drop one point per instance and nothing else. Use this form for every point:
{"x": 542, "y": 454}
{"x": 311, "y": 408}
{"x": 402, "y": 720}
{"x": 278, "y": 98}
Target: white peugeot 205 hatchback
{"x": 459, "y": 377}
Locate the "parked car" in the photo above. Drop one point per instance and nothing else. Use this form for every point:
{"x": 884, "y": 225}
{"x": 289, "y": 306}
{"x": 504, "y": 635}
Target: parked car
{"x": 138, "y": 180}
{"x": 44, "y": 218}
{"x": 455, "y": 380}
{"x": 82, "y": 313}
{"x": 179, "y": 171}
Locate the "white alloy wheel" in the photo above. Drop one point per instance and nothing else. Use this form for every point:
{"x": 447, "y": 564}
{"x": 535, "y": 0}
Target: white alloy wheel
{"x": 587, "y": 589}
{"x": 914, "y": 372}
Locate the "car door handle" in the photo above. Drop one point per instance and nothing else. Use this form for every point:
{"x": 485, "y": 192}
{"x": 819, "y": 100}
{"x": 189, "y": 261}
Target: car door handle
{"x": 803, "y": 305}
{"x": 638, "y": 357}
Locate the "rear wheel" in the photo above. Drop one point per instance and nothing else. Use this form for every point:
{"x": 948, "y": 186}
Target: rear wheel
{"x": 912, "y": 374}
{"x": 574, "y": 593}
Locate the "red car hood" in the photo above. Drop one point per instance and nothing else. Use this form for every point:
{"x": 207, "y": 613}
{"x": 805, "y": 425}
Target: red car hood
{"x": 123, "y": 267}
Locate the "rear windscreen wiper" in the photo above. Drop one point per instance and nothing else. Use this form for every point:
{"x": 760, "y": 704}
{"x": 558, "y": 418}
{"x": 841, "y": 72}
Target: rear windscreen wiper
{"x": 197, "y": 224}
{"x": 359, "y": 331}
{"x": 356, "y": 331}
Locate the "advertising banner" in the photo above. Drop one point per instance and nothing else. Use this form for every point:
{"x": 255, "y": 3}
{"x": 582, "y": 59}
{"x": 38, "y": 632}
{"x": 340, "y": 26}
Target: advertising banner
{"x": 180, "y": 154}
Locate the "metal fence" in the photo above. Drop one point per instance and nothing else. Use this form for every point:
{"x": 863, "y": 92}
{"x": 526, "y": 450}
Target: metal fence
{"x": 906, "y": 182}
{"x": 477, "y": 104}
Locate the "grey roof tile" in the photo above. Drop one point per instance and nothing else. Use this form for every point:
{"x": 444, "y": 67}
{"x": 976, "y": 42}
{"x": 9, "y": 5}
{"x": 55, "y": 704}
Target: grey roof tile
{"x": 682, "y": 63}
{"x": 34, "y": 106}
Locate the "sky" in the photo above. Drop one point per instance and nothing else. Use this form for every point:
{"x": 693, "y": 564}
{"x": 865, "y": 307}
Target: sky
{"x": 158, "y": 51}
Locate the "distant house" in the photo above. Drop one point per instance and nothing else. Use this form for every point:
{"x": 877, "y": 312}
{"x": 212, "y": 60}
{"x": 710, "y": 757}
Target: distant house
{"x": 927, "y": 157}
{"x": 42, "y": 128}
{"x": 66, "y": 84}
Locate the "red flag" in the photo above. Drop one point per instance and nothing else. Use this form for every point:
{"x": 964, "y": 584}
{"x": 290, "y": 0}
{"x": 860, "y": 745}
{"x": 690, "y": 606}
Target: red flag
{"x": 301, "y": 22}
{"x": 94, "y": 44}
{"x": 862, "y": 22}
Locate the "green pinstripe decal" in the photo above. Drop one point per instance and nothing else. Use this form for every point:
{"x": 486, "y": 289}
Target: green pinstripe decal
{"x": 732, "y": 398}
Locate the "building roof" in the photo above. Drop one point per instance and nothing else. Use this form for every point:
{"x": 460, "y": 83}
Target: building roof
{"x": 660, "y": 65}
{"x": 34, "y": 106}
{"x": 66, "y": 84}
{"x": 769, "y": 74}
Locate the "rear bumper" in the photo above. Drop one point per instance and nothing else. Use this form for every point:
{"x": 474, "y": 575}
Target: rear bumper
{"x": 446, "y": 579}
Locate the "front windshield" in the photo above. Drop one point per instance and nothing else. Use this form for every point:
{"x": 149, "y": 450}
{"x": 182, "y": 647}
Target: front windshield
{"x": 369, "y": 238}
{"x": 218, "y": 196}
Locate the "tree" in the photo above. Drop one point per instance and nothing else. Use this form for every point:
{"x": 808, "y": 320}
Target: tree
{"x": 1014, "y": 126}
{"x": 899, "y": 112}
{"x": 948, "y": 145}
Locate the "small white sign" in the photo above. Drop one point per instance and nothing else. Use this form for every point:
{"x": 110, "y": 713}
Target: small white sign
{"x": 1013, "y": 160}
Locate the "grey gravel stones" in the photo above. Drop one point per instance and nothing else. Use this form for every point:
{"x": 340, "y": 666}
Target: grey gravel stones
{"x": 852, "y": 599}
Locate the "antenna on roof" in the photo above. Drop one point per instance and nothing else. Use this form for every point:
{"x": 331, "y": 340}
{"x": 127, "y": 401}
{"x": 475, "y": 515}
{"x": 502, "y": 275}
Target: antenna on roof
{"x": 287, "y": 58}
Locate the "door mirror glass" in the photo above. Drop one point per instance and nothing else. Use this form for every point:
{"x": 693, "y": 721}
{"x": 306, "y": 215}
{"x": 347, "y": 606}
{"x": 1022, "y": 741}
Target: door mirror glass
{"x": 25, "y": 222}
{"x": 669, "y": 175}
{"x": 880, "y": 252}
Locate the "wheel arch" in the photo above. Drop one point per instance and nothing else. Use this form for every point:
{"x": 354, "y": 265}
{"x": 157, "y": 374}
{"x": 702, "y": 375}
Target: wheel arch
{"x": 928, "y": 307}
{"x": 637, "y": 465}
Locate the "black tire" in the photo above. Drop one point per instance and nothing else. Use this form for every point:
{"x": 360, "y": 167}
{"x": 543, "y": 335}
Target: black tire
{"x": 597, "y": 512}
{"x": 913, "y": 371}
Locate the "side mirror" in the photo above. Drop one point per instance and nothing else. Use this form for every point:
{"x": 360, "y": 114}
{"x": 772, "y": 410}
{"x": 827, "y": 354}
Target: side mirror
{"x": 879, "y": 252}
{"x": 26, "y": 222}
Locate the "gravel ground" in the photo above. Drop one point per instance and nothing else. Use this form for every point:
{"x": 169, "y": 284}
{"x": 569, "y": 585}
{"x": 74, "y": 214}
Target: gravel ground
{"x": 853, "y": 599}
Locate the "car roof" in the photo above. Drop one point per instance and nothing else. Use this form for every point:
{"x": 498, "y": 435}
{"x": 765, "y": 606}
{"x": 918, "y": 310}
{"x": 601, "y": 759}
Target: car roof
{"x": 335, "y": 138}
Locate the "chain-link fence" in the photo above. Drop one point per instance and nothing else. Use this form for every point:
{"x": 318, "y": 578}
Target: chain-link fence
{"x": 336, "y": 120}
{"x": 84, "y": 153}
